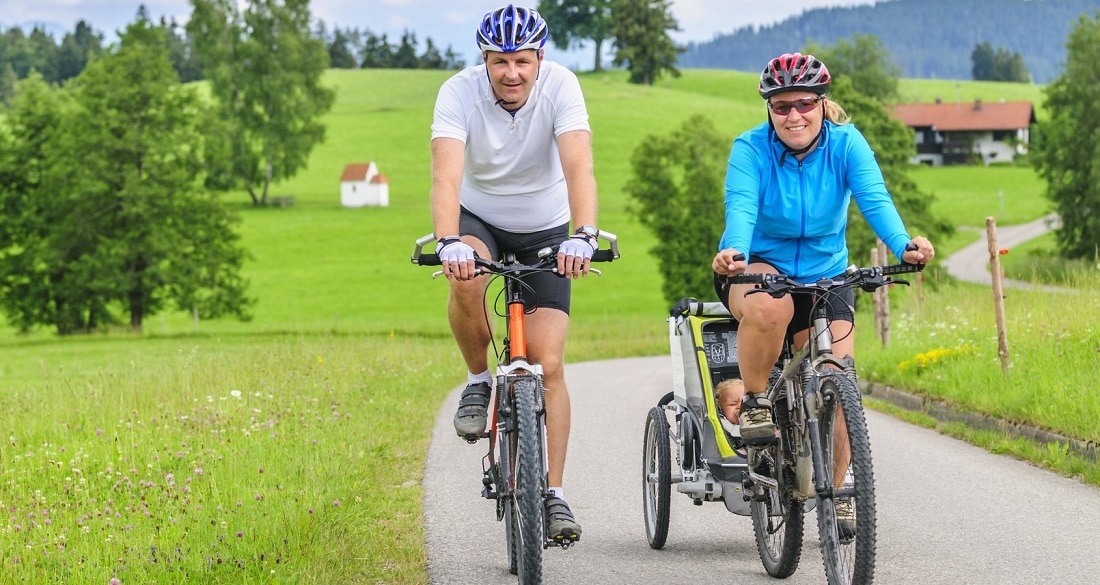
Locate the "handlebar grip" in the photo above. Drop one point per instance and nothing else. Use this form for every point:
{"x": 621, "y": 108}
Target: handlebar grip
{"x": 902, "y": 269}
{"x": 603, "y": 256}
{"x": 747, "y": 278}
{"x": 429, "y": 260}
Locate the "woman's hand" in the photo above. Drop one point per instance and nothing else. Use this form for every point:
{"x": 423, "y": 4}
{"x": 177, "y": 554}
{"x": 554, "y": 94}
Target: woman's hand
{"x": 729, "y": 262}
{"x": 919, "y": 251}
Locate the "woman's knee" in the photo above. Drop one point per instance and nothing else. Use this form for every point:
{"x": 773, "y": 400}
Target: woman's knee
{"x": 766, "y": 316}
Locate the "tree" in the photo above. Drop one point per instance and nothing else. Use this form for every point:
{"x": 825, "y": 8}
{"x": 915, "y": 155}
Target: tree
{"x": 181, "y": 51}
{"x": 982, "y": 57}
{"x": 432, "y": 58}
{"x": 265, "y": 75}
{"x": 7, "y": 84}
{"x": 1067, "y": 155}
{"x": 642, "y": 42}
{"x": 572, "y": 22}
{"x": 1009, "y": 67}
{"x": 405, "y": 55}
{"x": 28, "y": 263}
{"x": 104, "y": 208}
{"x": 452, "y": 60}
{"x": 376, "y": 52}
{"x": 865, "y": 61}
{"x": 75, "y": 50}
{"x": 677, "y": 188}
{"x": 999, "y": 65}
{"x": 43, "y": 54}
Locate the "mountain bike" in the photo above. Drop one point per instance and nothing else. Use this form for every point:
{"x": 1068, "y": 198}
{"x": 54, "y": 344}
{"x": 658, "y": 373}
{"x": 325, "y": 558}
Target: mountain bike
{"x": 514, "y": 471}
{"x": 811, "y": 391}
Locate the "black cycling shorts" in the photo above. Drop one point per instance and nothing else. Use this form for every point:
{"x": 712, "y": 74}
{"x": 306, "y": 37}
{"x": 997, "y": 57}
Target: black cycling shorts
{"x": 840, "y": 304}
{"x": 547, "y": 288}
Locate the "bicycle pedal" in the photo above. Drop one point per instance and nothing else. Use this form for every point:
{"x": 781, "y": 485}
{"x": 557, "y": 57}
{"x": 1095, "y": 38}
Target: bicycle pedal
{"x": 471, "y": 438}
{"x": 566, "y": 540}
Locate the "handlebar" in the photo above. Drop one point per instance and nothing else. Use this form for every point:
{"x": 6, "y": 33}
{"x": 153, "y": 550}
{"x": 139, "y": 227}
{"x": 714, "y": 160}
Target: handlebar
{"x": 868, "y": 279}
{"x": 546, "y": 255}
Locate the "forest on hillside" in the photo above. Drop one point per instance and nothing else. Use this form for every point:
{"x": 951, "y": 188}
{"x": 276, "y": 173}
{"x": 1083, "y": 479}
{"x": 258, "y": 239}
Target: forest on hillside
{"x": 927, "y": 39}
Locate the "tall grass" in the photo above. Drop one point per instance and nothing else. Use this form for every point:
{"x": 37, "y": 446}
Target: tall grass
{"x": 263, "y": 459}
{"x": 290, "y": 449}
{"x": 946, "y": 348}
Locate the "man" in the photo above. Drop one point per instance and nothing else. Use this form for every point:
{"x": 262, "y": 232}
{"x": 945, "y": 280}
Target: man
{"x": 511, "y": 168}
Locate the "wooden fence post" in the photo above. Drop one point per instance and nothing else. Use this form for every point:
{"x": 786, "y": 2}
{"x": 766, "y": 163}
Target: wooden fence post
{"x": 998, "y": 292}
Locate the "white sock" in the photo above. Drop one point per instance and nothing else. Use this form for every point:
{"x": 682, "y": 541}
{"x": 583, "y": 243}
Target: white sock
{"x": 482, "y": 378}
{"x": 558, "y": 492}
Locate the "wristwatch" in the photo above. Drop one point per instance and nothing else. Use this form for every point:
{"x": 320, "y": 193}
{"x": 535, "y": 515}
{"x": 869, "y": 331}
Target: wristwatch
{"x": 588, "y": 231}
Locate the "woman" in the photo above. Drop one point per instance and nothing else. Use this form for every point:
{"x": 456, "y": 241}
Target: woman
{"x": 788, "y": 186}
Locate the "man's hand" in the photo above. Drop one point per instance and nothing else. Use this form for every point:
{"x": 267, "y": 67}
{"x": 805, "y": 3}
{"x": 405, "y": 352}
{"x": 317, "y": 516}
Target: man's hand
{"x": 457, "y": 258}
{"x": 575, "y": 256}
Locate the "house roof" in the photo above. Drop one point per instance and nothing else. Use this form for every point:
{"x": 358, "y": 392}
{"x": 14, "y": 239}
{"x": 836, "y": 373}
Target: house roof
{"x": 356, "y": 172}
{"x": 380, "y": 179}
{"x": 977, "y": 115}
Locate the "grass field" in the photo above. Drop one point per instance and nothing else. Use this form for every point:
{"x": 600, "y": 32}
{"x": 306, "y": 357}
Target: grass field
{"x": 290, "y": 449}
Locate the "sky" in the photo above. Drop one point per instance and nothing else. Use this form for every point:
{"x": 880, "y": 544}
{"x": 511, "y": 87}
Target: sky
{"x": 447, "y": 22}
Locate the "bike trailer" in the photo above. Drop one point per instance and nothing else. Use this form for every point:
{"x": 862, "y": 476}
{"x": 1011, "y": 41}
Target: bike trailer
{"x": 703, "y": 344}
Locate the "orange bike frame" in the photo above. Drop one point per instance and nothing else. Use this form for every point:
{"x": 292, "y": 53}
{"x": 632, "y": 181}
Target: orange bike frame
{"x": 517, "y": 333}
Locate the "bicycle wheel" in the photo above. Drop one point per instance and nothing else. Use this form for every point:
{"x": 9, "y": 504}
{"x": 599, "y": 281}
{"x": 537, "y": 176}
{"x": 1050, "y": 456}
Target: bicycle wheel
{"x": 656, "y": 477}
{"x": 528, "y": 511}
{"x": 849, "y": 555}
{"x": 777, "y": 517}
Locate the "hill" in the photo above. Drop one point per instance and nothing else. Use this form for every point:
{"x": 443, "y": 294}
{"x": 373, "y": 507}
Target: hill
{"x": 927, "y": 39}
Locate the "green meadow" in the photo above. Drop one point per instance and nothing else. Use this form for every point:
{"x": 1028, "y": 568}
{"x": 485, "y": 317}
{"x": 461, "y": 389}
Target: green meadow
{"x": 290, "y": 449}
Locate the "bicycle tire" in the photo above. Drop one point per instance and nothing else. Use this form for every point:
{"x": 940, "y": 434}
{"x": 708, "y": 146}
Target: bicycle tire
{"x": 848, "y": 561}
{"x": 511, "y": 537}
{"x": 529, "y": 493}
{"x": 656, "y": 477}
{"x": 777, "y": 517}
{"x": 505, "y": 437}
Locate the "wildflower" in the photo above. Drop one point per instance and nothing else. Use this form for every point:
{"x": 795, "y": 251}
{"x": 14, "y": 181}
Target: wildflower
{"x": 115, "y": 581}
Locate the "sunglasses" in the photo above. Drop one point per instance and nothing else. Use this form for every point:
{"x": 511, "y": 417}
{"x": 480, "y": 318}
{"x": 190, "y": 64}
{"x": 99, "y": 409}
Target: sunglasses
{"x": 803, "y": 105}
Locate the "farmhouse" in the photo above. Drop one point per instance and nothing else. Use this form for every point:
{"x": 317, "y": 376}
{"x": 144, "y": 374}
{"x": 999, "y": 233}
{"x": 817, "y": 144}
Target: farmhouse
{"x": 362, "y": 185}
{"x": 964, "y": 133}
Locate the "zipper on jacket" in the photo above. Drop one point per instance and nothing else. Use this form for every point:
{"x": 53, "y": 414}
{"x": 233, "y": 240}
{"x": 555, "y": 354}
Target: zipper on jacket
{"x": 801, "y": 219}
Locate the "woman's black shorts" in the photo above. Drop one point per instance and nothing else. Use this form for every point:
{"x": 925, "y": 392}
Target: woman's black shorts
{"x": 840, "y": 304}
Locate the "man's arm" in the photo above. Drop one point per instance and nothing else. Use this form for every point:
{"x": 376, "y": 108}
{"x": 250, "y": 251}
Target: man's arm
{"x": 448, "y": 159}
{"x": 575, "y": 149}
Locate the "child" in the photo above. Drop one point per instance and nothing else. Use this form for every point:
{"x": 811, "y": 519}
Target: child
{"x": 728, "y": 395}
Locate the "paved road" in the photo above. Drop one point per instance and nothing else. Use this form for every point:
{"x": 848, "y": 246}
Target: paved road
{"x": 949, "y": 512}
{"x": 971, "y": 264}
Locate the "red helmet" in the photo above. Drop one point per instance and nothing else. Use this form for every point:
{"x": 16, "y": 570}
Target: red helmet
{"x": 794, "y": 71}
